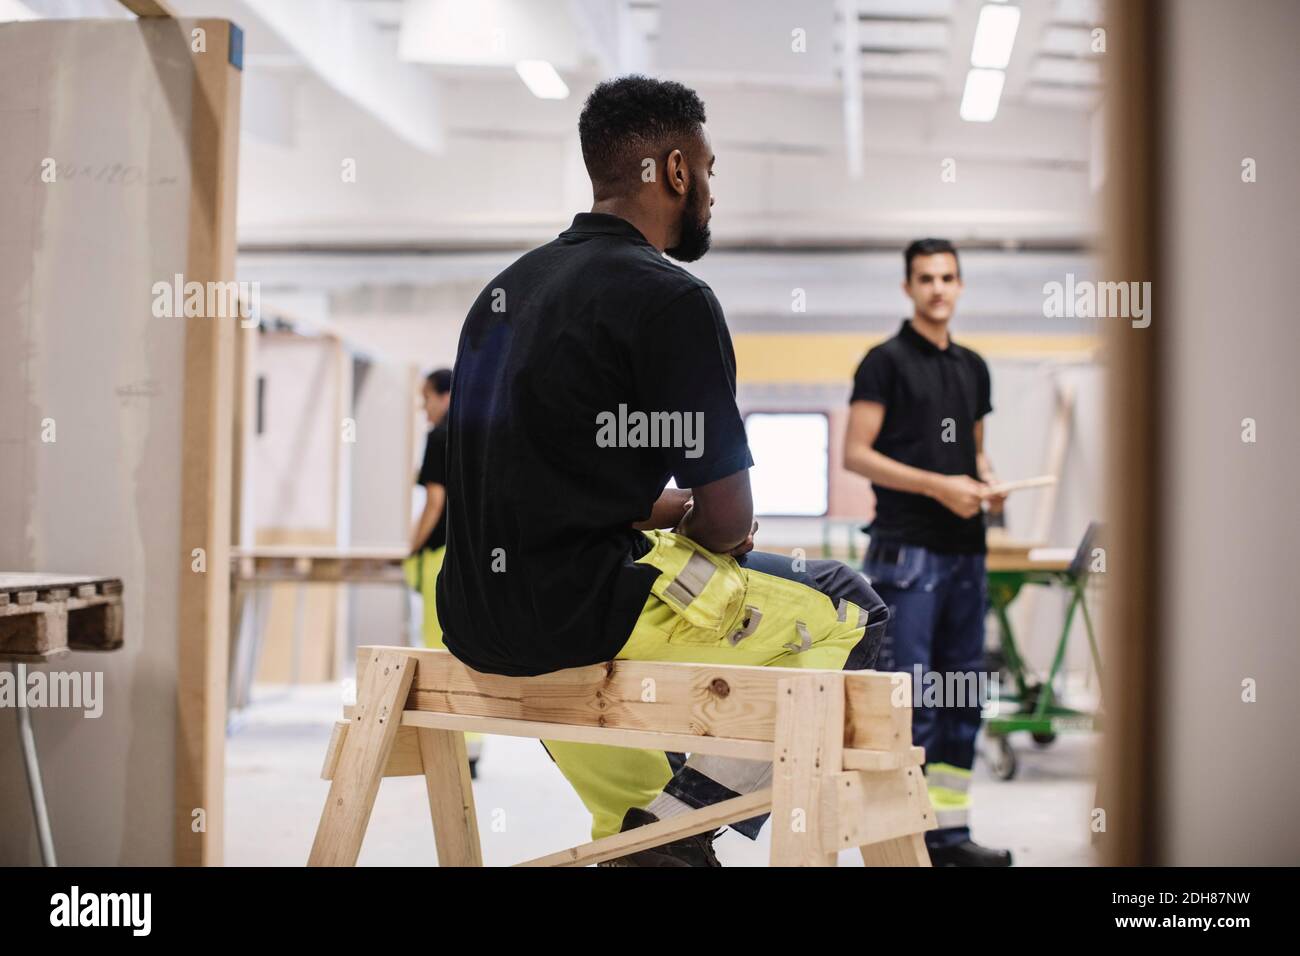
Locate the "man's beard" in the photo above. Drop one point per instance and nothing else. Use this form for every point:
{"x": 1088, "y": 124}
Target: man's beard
{"x": 694, "y": 239}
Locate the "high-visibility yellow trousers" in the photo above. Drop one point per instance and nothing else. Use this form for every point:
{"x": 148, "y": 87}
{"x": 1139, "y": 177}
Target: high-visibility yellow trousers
{"x": 706, "y": 608}
{"x": 421, "y": 572}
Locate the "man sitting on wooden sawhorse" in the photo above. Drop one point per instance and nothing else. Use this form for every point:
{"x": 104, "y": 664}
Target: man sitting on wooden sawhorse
{"x": 588, "y": 373}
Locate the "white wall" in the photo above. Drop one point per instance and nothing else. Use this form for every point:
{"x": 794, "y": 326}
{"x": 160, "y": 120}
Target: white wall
{"x": 78, "y": 258}
{"x": 1231, "y": 777}
{"x": 296, "y": 457}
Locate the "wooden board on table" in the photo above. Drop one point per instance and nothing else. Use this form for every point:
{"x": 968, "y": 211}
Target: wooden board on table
{"x": 1029, "y": 559}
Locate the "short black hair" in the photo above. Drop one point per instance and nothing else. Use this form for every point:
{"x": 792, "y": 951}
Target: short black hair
{"x": 927, "y": 247}
{"x": 632, "y": 118}
{"x": 439, "y": 380}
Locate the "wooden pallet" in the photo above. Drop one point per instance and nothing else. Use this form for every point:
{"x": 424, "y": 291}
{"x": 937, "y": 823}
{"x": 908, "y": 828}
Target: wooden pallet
{"x": 43, "y": 616}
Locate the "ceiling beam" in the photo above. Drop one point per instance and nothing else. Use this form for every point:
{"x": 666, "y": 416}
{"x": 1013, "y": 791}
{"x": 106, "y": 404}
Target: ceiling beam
{"x": 599, "y": 24}
{"x": 340, "y": 42}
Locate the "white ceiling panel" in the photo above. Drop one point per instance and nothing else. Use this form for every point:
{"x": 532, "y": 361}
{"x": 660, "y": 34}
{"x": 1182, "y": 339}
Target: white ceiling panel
{"x": 1058, "y": 69}
{"x": 755, "y": 37}
{"x": 1067, "y": 41}
{"x": 910, "y": 9}
{"x": 931, "y": 63}
{"x": 1078, "y": 11}
{"x": 904, "y": 35}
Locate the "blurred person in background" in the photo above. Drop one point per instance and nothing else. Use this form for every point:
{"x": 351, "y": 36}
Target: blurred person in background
{"x": 429, "y": 535}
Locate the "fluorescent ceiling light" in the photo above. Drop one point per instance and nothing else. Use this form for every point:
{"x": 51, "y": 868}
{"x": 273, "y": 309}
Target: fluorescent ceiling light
{"x": 979, "y": 103}
{"x": 995, "y": 34}
{"x": 541, "y": 78}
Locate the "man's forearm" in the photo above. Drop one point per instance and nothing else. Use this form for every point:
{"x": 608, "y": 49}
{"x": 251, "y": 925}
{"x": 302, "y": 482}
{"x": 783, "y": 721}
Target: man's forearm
{"x": 719, "y": 540}
{"x": 667, "y": 511}
{"x": 884, "y": 471}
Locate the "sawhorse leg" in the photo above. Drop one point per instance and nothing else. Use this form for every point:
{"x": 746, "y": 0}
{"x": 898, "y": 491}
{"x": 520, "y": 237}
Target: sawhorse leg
{"x": 451, "y": 799}
{"x": 901, "y": 851}
{"x": 381, "y": 697}
{"x": 809, "y": 747}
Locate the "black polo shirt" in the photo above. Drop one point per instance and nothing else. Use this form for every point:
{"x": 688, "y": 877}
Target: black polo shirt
{"x": 542, "y": 492}
{"x": 923, "y": 386}
{"x": 433, "y": 471}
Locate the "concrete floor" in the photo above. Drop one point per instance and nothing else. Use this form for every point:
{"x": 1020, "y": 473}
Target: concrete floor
{"x": 274, "y": 796}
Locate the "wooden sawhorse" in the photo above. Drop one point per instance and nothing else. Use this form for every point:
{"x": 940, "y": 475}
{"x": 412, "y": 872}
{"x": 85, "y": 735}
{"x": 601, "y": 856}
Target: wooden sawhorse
{"x": 845, "y": 772}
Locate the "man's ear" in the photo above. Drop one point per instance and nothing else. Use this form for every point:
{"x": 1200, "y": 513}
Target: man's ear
{"x": 676, "y": 173}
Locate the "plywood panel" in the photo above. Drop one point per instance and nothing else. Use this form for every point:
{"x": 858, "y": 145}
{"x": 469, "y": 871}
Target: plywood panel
{"x": 110, "y": 414}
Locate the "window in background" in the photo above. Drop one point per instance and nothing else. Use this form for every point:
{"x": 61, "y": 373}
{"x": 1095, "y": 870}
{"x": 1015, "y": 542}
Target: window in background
{"x": 791, "y": 462}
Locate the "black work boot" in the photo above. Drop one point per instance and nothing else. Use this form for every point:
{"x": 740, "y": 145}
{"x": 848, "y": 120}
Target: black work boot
{"x": 969, "y": 853}
{"x": 688, "y": 851}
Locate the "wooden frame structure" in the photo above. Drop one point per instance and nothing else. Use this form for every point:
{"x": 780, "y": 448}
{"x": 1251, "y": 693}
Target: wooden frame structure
{"x": 207, "y": 416}
{"x": 845, "y": 772}
{"x": 1136, "y": 485}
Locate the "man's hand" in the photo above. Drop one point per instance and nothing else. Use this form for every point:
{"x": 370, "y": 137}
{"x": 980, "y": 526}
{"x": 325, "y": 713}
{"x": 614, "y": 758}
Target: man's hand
{"x": 747, "y": 545}
{"x": 720, "y": 517}
{"x": 744, "y": 547}
{"x": 960, "y": 494}
{"x": 686, "y": 513}
{"x": 668, "y": 511}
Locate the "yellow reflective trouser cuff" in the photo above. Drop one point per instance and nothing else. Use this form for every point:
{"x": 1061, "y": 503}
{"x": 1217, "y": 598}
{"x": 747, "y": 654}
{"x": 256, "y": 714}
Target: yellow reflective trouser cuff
{"x": 611, "y": 780}
{"x": 949, "y": 788}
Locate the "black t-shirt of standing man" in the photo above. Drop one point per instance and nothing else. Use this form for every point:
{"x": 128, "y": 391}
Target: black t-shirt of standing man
{"x": 549, "y": 462}
{"x": 933, "y": 397}
{"x": 433, "y": 471}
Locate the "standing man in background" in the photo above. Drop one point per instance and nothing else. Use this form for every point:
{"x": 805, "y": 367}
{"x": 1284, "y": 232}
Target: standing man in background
{"x": 916, "y": 430}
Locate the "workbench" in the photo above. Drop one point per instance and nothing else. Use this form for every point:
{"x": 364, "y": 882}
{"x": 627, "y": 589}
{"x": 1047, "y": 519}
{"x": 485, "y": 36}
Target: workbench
{"x": 257, "y": 567}
{"x": 1009, "y": 568}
